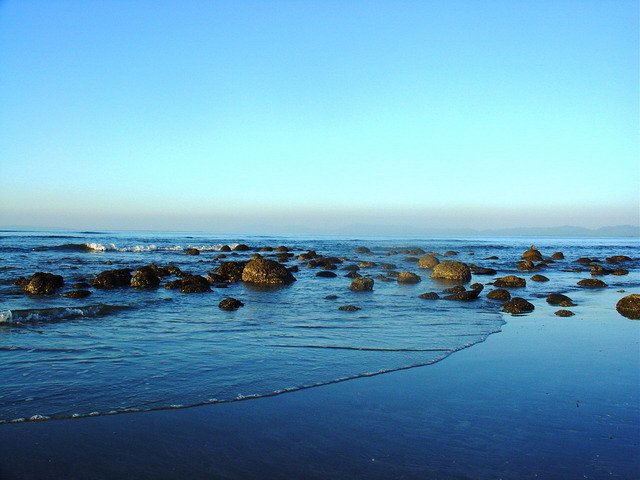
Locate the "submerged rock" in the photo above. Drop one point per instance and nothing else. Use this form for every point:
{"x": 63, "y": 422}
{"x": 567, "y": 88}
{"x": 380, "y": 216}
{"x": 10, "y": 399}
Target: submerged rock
{"x": 466, "y": 295}
{"x": 77, "y": 294}
{"x": 564, "y": 313}
{"x": 518, "y": 305}
{"x": 113, "y": 278}
{"x": 450, "y": 253}
{"x": 476, "y": 270}
{"x": 510, "y": 281}
{"x": 362, "y": 250}
{"x": 230, "y": 304}
{"x": 267, "y": 272}
{"x": 43, "y": 283}
{"x": 349, "y": 308}
{"x": 499, "y": 294}
{"x": 629, "y": 306}
{"x": 539, "y": 278}
{"x": 428, "y": 262}
{"x": 331, "y": 297}
{"x": 560, "y": 299}
{"x": 592, "y": 283}
{"x": 408, "y": 277}
{"x": 429, "y": 296}
{"x": 361, "y": 285}
{"x": 326, "y": 274}
{"x": 449, "y": 270}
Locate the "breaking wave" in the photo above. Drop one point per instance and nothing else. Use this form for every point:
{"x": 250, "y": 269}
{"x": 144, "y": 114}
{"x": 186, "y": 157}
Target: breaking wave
{"x": 57, "y": 314}
{"x": 111, "y": 247}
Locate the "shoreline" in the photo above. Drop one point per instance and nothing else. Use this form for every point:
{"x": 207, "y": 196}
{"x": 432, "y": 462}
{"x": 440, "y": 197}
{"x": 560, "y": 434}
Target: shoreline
{"x": 566, "y": 408}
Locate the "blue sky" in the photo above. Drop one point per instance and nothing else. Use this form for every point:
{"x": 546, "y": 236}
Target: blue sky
{"x": 223, "y": 115}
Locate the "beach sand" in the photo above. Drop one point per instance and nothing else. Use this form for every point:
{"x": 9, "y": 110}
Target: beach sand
{"x": 548, "y": 397}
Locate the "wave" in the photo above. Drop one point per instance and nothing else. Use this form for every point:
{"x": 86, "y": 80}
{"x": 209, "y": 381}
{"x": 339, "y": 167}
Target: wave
{"x": 364, "y": 349}
{"x": 111, "y": 247}
{"x": 57, "y": 314}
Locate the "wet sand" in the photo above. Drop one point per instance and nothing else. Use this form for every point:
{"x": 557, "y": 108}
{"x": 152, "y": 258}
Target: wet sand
{"x": 547, "y": 397}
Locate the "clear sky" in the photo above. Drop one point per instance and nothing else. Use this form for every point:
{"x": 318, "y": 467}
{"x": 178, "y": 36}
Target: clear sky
{"x": 268, "y": 115}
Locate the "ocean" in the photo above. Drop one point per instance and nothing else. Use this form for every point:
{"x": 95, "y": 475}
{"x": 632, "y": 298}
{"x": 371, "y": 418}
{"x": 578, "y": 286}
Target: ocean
{"x": 127, "y": 350}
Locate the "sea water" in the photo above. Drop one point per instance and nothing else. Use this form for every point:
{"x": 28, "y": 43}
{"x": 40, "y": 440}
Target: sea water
{"x": 128, "y": 350}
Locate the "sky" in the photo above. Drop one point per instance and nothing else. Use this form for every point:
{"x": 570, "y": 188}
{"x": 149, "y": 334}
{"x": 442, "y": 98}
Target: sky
{"x": 292, "y": 115}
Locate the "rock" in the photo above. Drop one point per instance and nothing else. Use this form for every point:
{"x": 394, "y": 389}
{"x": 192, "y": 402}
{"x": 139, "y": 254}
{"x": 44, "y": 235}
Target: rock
{"x": 499, "y": 294}
{"x": 367, "y": 264}
{"x": 557, "y": 256}
{"x": 77, "y": 294}
{"x": 284, "y": 257}
{"x": 241, "y": 247}
{"x": 145, "y": 277}
{"x": 215, "y": 278}
{"x": 382, "y": 278}
{"x": 619, "y": 271}
{"x": 564, "y": 313}
{"x": 408, "y": 277}
{"x": 266, "y": 272}
{"x": 231, "y": 271}
{"x": 455, "y": 289}
{"x": 448, "y": 270}
{"x": 362, "y": 285}
{"x": 362, "y": 250}
{"x": 629, "y": 306}
{"x": 331, "y": 297}
{"x": 194, "y": 284}
{"x": 388, "y": 266}
{"x": 265, "y": 249}
{"x": 539, "y": 278}
{"x": 599, "y": 270}
{"x": 428, "y": 261}
{"x": 517, "y": 305}
{"x": 618, "y": 259}
{"x": 225, "y": 248}
{"x": 349, "y": 308}
{"x": 592, "y": 283}
{"x": 492, "y": 257}
{"x": 429, "y": 296}
{"x": 326, "y": 274}
{"x": 532, "y": 254}
{"x": 43, "y": 283}
{"x": 282, "y": 249}
{"x": 414, "y": 251}
{"x": 353, "y": 275}
{"x": 510, "y": 281}
{"x": 293, "y": 269}
{"x": 466, "y": 295}
{"x": 80, "y": 285}
{"x": 230, "y": 304}
{"x": 560, "y": 299}
{"x": 192, "y": 251}
{"x": 411, "y": 259}
{"x": 476, "y": 270}
{"x": 352, "y": 267}
{"x": 587, "y": 261}
{"x": 526, "y": 265}
{"x": 307, "y": 256}
{"x": 20, "y": 281}
{"x": 173, "y": 270}
{"x": 113, "y": 278}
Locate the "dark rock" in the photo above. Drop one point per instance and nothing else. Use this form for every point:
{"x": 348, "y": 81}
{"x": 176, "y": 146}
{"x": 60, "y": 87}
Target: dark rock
{"x": 599, "y": 270}
{"x": 455, "y": 289}
{"x": 266, "y": 249}
{"x": 307, "y": 256}
{"x": 362, "y": 250}
{"x": 408, "y": 277}
{"x": 414, "y": 251}
{"x": 466, "y": 295}
{"x": 428, "y": 262}
{"x": 476, "y": 270}
{"x": 145, "y": 277}
{"x": 558, "y": 256}
{"x": 618, "y": 259}
{"x": 43, "y": 283}
{"x": 77, "y": 294}
{"x": 367, "y": 264}
{"x": 293, "y": 269}
{"x": 362, "y": 285}
{"x": 619, "y": 271}
{"x": 492, "y": 257}
{"x": 192, "y": 251}
{"x": 225, "y": 248}
{"x": 539, "y": 278}
{"x": 411, "y": 259}
{"x": 282, "y": 249}
{"x": 499, "y": 294}
{"x": 241, "y": 247}
{"x": 349, "y": 308}
{"x": 560, "y": 300}
{"x": 388, "y": 266}
{"x": 429, "y": 296}
{"x": 592, "y": 283}
{"x": 448, "y": 270}
{"x": 564, "y": 313}
{"x": 382, "y": 278}
{"x": 266, "y": 272}
{"x": 21, "y": 281}
{"x": 331, "y": 297}
{"x": 629, "y": 306}
{"x": 113, "y": 278}
{"x": 326, "y": 274}
{"x": 230, "y": 304}
{"x": 517, "y": 305}
{"x": 510, "y": 281}
{"x": 450, "y": 253}
{"x": 80, "y": 285}
{"x": 284, "y": 257}
{"x": 173, "y": 270}
{"x": 353, "y": 267}
{"x": 194, "y": 284}
{"x": 532, "y": 254}
{"x": 231, "y": 271}
{"x": 526, "y": 265}
{"x": 353, "y": 274}
{"x": 587, "y": 261}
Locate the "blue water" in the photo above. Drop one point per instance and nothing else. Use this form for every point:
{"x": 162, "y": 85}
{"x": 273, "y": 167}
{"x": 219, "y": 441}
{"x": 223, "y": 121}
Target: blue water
{"x": 130, "y": 350}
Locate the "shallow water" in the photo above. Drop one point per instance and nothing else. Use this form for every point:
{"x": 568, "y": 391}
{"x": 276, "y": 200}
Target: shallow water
{"x": 128, "y": 350}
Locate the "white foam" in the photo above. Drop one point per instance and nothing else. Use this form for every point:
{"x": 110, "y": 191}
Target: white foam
{"x": 5, "y": 316}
